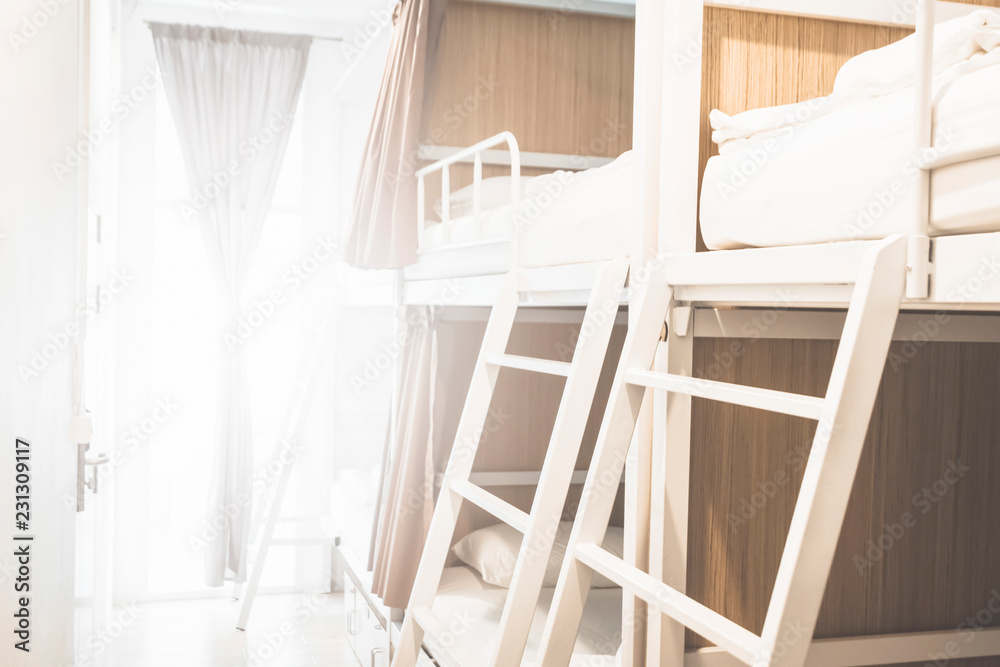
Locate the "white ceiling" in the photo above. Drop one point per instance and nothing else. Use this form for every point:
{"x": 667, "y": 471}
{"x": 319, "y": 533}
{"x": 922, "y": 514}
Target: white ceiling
{"x": 329, "y": 18}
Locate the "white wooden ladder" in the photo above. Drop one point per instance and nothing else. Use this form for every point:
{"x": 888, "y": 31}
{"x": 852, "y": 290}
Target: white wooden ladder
{"x": 420, "y": 625}
{"x": 843, "y": 416}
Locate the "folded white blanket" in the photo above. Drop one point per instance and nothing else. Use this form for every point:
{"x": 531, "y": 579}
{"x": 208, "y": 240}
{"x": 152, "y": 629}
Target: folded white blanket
{"x": 959, "y": 45}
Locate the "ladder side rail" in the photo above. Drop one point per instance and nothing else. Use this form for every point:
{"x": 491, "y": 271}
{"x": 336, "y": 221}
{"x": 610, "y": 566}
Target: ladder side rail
{"x": 461, "y": 459}
{"x": 833, "y": 459}
{"x": 610, "y": 453}
{"x": 559, "y": 465}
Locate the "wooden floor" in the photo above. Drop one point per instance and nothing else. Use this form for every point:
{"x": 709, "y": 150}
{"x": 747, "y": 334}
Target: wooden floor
{"x": 285, "y": 631}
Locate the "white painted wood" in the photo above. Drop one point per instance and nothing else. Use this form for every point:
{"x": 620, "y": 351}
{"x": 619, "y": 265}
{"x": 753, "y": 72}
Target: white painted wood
{"x": 529, "y": 159}
{"x": 715, "y": 627}
{"x": 797, "y": 405}
{"x": 876, "y": 12}
{"x": 441, "y": 642}
{"x": 966, "y": 272}
{"x": 830, "y": 263}
{"x": 670, "y": 493}
{"x": 610, "y": 453}
{"x": 557, "y": 473}
{"x": 545, "y": 366}
{"x": 833, "y": 458}
{"x": 463, "y": 454}
{"x": 518, "y": 478}
{"x": 499, "y": 508}
{"x": 758, "y": 323}
{"x": 843, "y": 421}
{"x": 557, "y": 470}
{"x": 446, "y": 202}
{"x": 966, "y": 275}
{"x": 638, "y": 522}
{"x": 477, "y": 193}
{"x": 918, "y": 263}
{"x": 872, "y": 650}
{"x": 682, "y": 30}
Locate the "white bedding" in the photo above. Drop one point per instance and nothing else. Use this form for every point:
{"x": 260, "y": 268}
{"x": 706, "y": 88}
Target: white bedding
{"x": 471, "y": 608}
{"x": 565, "y": 217}
{"x": 850, "y": 173}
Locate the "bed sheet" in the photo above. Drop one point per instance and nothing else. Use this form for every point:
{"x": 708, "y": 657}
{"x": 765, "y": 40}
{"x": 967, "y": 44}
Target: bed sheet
{"x": 472, "y": 608}
{"x": 564, "y": 217}
{"x": 852, "y": 174}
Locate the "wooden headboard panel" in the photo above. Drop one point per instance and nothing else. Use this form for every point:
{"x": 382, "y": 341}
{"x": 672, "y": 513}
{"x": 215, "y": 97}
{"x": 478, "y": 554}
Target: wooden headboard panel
{"x": 937, "y": 408}
{"x": 560, "y": 81}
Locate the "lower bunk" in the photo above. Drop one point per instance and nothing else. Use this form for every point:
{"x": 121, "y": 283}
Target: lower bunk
{"x": 471, "y": 609}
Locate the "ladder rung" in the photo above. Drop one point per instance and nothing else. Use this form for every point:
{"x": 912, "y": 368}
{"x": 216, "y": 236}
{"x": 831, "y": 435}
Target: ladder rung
{"x": 304, "y": 541}
{"x": 501, "y": 509}
{"x": 530, "y": 364}
{"x": 447, "y": 653}
{"x": 798, "y": 405}
{"x": 711, "y": 625}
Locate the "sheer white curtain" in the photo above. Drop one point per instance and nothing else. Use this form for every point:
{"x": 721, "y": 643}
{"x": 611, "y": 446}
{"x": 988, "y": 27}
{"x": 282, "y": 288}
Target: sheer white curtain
{"x": 232, "y": 95}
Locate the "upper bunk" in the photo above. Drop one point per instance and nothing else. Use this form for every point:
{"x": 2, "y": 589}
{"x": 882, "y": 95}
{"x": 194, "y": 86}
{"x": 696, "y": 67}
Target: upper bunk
{"x": 801, "y": 185}
{"x": 812, "y": 173}
{"x": 524, "y": 150}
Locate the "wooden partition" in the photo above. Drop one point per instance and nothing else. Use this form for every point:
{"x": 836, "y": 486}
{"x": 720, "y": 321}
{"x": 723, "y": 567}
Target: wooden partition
{"x": 920, "y": 548}
{"x": 523, "y": 409}
{"x": 562, "y": 82}
{"x": 559, "y": 80}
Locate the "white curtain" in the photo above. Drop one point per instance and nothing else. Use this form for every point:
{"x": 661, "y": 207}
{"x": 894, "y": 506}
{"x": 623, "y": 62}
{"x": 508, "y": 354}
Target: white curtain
{"x": 232, "y": 95}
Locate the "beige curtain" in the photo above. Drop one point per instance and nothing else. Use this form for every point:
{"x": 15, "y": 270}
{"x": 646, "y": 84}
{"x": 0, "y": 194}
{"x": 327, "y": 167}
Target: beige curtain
{"x": 406, "y": 500}
{"x": 383, "y": 223}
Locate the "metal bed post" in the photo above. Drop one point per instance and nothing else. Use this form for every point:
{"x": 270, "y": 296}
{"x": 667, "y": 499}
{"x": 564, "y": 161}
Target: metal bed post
{"x": 918, "y": 261}
{"x": 682, "y": 24}
{"x": 646, "y": 138}
{"x": 515, "y": 198}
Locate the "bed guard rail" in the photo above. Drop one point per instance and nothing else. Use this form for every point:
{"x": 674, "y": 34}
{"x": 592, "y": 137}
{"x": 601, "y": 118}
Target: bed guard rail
{"x": 476, "y": 152}
{"x": 918, "y": 261}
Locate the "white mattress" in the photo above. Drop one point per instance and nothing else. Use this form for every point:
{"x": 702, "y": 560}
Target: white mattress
{"x": 851, "y": 174}
{"x": 565, "y": 217}
{"x": 471, "y": 608}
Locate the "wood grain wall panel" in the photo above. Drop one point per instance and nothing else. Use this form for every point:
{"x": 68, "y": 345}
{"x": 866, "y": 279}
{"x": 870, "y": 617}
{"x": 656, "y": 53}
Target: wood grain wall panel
{"x": 560, "y": 81}
{"x": 935, "y": 410}
{"x": 935, "y": 413}
{"x": 523, "y": 409}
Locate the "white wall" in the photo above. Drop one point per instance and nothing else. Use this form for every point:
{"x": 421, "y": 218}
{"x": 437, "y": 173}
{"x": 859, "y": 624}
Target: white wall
{"x": 38, "y": 216}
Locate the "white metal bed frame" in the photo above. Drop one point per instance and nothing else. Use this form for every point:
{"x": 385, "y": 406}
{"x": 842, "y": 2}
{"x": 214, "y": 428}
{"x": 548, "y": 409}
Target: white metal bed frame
{"x": 467, "y": 259}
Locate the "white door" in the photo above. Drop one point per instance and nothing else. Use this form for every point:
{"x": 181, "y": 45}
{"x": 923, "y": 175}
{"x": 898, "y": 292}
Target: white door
{"x": 40, "y": 207}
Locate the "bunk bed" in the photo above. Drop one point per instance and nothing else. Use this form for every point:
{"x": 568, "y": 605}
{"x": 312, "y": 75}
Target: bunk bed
{"x": 556, "y": 228}
{"x": 780, "y": 237}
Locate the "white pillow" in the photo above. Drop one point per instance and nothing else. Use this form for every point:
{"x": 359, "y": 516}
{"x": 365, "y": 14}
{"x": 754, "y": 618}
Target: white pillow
{"x": 495, "y": 193}
{"x": 493, "y": 552}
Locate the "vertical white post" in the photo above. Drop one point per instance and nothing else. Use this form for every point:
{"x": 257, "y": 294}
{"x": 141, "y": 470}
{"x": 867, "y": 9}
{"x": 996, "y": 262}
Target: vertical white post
{"x": 683, "y": 26}
{"x": 446, "y": 203}
{"x": 477, "y": 193}
{"x": 918, "y": 245}
{"x": 515, "y": 199}
{"x": 668, "y": 543}
{"x": 421, "y": 212}
{"x": 646, "y": 132}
